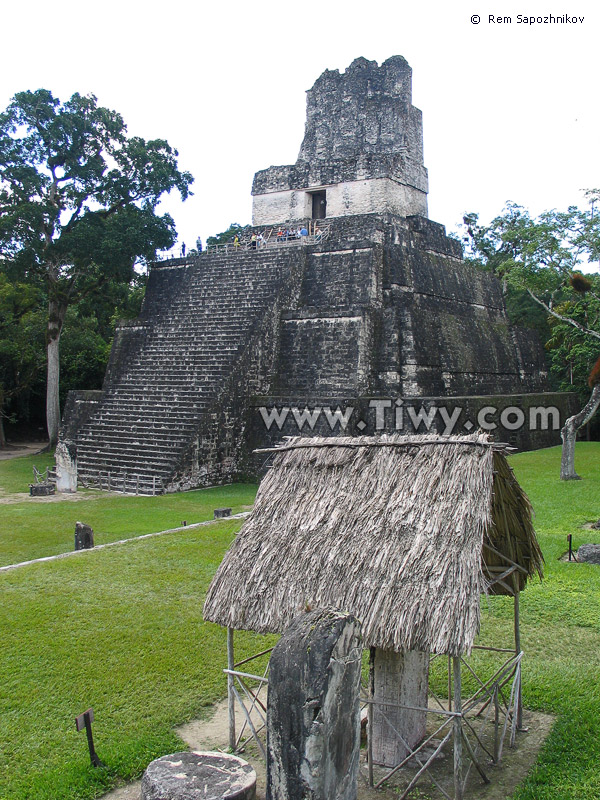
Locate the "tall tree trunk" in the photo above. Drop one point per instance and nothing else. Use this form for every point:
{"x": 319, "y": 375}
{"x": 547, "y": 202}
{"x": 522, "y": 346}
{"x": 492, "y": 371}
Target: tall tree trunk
{"x": 56, "y": 318}
{"x": 2, "y": 436}
{"x": 569, "y": 434}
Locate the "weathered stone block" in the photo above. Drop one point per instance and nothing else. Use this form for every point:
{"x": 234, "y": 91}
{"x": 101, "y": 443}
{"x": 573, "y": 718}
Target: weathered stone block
{"x": 199, "y": 776}
{"x": 41, "y": 489}
{"x": 313, "y": 716}
{"x": 222, "y": 512}
{"x": 589, "y": 553}
{"x": 84, "y": 536}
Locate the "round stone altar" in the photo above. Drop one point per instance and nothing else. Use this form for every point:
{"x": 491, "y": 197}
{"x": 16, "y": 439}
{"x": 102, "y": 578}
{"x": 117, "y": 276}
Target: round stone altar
{"x": 191, "y": 776}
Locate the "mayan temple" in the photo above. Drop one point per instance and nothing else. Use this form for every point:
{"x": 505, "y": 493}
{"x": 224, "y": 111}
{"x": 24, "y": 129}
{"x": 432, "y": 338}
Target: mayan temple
{"x": 369, "y": 311}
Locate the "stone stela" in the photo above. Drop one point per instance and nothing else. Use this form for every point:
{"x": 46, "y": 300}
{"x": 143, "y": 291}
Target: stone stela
{"x": 313, "y": 713}
{"x": 84, "y": 536}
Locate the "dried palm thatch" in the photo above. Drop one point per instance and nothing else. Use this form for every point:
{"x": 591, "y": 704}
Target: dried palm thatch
{"x": 391, "y": 529}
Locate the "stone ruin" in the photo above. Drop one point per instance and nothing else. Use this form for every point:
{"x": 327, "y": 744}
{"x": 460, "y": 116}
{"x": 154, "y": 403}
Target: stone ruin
{"x": 378, "y": 307}
{"x": 313, "y": 711}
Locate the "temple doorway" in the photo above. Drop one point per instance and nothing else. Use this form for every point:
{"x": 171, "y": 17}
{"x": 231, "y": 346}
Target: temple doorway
{"x": 319, "y": 205}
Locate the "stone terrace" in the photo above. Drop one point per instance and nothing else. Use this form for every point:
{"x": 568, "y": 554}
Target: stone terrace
{"x": 170, "y": 365}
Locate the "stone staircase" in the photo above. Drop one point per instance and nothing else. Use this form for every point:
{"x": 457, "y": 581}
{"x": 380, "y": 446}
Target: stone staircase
{"x": 152, "y": 407}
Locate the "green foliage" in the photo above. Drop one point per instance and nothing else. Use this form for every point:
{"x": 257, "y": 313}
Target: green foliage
{"x": 88, "y": 332}
{"x": 572, "y": 354}
{"x": 84, "y": 354}
{"x": 78, "y": 194}
{"x": 228, "y": 235}
{"x": 534, "y": 254}
{"x": 522, "y": 310}
{"x": 78, "y": 203}
{"x": 538, "y": 261}
{"x": 22, "y": 355}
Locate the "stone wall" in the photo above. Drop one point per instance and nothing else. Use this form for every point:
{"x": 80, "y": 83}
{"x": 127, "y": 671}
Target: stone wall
{"x": 382, "y": 308}
{"x": 343, "y": 199}
{"x": 524, "y": 421}
{"x": 363, "y": 146}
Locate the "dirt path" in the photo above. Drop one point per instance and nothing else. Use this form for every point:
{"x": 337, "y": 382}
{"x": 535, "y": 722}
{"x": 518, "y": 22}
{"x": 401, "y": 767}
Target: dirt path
{"x": 22, "y": 449}
{"x": 212, "y": 734}
{"x": 10, "y": 498}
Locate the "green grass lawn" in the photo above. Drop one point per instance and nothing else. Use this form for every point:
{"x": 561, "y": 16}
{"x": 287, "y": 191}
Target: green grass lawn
{"x": 17, "y": 473}
{"x": 121, "y": 630}
{"x": 34, "y": 528}
{"x": 561, "y": 626}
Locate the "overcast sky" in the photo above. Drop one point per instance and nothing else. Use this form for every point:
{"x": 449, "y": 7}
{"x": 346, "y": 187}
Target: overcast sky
{"x": 510, "y": 110}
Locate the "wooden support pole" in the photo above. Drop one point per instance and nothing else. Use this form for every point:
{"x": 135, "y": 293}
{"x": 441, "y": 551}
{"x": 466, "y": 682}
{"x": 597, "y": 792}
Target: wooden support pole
{"x": 370, "y": 713}
{"x": 496, "y": 726}
{"x": 517, "y": 651}
{"x": 473, "y": 758}
{"x": 250, "y": 723}
{"x": 458, "y": 785}
{"x": 231, "y": 689}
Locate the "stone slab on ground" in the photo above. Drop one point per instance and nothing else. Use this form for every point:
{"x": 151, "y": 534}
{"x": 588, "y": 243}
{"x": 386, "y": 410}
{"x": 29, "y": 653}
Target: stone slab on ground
{"x": 589, "y": 553}
{"x": 202, "y": 775}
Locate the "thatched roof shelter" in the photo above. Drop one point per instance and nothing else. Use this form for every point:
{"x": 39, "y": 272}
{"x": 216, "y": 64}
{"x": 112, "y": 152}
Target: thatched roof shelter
{"x": 404, "y": 532}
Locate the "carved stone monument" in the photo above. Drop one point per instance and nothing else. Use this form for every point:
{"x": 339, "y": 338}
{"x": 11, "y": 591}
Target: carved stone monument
{"x": 205, "y": 776}
{"x": 313, "y": 715}
{"x": 84, "y": 536}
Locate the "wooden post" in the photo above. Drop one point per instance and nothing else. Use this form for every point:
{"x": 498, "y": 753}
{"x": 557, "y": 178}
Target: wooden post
{"x": 449, "y": 683}
{"x": 370, "y": 713}
{"x": 85, "y": 721}
{"x": 401, "y": 679}
{"x": 519, "y": 703}
{"x": 458, "y": 787}
{"x": 230, "y": 689}
{"x": 496, "y": 726}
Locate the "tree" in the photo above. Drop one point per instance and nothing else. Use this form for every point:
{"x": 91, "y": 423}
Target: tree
{"x": 78, "y": 205}
{"x": 21, "y": 354}
{"x": 542, "y": 257}
{"x": 227, "y": 236}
